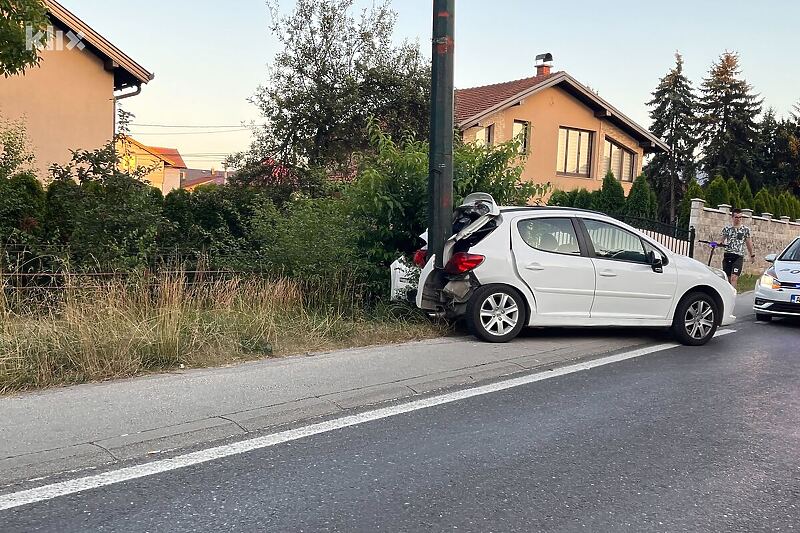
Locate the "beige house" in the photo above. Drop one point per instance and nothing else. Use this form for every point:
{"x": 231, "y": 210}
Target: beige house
{"x": 165, "y": 167}
{"x": 69, "y": 101}
{"x": 571, "y": 136}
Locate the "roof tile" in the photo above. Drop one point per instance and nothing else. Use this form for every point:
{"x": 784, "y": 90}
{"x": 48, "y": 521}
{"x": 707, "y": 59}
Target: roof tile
{"x": 472, "y": 101}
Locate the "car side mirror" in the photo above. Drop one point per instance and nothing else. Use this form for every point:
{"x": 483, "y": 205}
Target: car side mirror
{"x": 771, "y": 258}
{"x": 655, "y": 262}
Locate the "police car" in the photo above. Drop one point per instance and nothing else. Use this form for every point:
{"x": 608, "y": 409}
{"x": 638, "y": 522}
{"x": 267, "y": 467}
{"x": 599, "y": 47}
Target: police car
{"x": 778, "y": 291}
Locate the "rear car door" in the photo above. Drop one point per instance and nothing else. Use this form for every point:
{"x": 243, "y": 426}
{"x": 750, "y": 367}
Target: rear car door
{"x": 626, "y": 284}
{"x": 551, "y": 261}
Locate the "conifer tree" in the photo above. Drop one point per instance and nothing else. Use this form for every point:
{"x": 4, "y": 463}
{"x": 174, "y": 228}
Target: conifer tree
{"x": 674, "y": 108}
{"x": 728, "y": 122}
{"x": 717, "y": 193}
{"x": 639, "y": 203}
{"x": 761, "y": 203}
{"x": 692, "y": 191}
{"x": 610, "y": 199}
{"x": 746, "y": 194}
{"x": 733, "y": 193}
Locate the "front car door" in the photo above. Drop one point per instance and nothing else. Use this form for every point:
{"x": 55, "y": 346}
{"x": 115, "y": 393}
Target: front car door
{"x": 551, "y": 261}
{"x": 626, "y": 286}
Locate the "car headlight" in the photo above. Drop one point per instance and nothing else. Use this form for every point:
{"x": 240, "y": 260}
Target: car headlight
{"x": 769, "y": 282}
{"x": 719, "y": 273}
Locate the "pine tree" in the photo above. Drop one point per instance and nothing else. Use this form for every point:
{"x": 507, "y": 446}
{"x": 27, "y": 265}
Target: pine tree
{"x": 674, "y": 108}
{"x": 769, "y": 130}
{"x": 728, "y": 128}
{"x": 717, "y": 193}
{"x": 583, "y": 199}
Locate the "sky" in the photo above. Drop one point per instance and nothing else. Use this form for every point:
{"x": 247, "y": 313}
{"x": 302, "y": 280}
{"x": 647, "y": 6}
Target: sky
{"x": 209, "y": 56}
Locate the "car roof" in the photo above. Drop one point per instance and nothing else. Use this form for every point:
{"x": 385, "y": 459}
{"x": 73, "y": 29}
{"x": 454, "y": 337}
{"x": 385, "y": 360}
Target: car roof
{"x": 546, "y": 208}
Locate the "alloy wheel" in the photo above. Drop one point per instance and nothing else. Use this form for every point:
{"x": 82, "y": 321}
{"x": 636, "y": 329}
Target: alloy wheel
{"x": 499, "y": 314}
{"x": 699, "y": 319}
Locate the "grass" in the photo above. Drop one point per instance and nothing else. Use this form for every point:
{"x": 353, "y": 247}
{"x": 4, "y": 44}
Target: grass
{"x": 747, "y": 283}
{"x": 122, "y": 328}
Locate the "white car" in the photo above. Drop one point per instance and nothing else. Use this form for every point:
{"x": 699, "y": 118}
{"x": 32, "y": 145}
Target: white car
{"x": 511, "y": 267}
{"x": 778, "y": 291}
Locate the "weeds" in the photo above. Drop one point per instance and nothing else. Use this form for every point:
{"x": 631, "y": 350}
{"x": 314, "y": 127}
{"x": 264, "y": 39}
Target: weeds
{"x": 126, "y": 327}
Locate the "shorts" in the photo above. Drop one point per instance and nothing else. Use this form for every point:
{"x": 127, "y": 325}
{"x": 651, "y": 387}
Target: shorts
{"x": 732, "y": 264}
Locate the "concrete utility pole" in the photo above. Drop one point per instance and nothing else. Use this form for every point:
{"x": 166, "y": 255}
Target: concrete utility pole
{"x": 440, "y": 178}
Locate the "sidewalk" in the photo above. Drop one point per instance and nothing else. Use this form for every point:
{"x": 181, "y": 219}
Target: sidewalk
{"x": 98, "y": 424}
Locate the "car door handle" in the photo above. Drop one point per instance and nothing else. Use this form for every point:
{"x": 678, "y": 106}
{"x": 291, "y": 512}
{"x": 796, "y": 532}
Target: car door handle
{"x": 534, "y": 266}
{"x": 608, "y": 273}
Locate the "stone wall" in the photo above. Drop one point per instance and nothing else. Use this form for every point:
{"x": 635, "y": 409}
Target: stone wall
{"x": 770, "y": 236}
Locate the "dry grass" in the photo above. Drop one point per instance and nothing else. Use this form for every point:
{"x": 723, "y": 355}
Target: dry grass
{"x": 124, "y": 328}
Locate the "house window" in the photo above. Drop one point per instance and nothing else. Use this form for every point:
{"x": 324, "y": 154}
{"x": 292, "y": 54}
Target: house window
{"x": 485, "y": 136}
{"x": 521, "y": 131}
{"x": 619, "y": 160}
{"x": 574, "y": 152}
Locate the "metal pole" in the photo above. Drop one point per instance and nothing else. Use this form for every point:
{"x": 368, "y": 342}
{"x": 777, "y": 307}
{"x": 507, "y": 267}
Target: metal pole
{"x": 440, "y": 177}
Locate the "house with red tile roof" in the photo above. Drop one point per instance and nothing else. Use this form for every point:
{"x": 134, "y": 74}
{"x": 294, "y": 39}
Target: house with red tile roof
{"x": 164, "y": 167}
{"x": 569, "y": 135}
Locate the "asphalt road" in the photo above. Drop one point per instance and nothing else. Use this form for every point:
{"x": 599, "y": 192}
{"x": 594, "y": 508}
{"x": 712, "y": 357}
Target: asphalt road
{"x": 688, "y": 439}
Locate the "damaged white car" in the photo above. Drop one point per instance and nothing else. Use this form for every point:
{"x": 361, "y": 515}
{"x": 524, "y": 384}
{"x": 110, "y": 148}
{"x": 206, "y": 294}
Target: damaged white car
{"x": 512, "y": 267}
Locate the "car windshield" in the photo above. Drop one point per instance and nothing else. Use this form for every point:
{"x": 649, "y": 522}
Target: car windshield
{"x": 792, "y": 253}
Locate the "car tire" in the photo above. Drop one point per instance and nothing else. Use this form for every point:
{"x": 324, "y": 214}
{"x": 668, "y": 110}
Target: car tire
{"x": 496, "y": 313}
{"x": 696, "y": 319}
{"x": 763, "y": 318}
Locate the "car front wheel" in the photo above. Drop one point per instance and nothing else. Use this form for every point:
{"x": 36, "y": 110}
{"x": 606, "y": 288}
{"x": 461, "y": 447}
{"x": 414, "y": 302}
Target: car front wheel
{"x": 496, "y": 313}
{"x": 695, "y": 320}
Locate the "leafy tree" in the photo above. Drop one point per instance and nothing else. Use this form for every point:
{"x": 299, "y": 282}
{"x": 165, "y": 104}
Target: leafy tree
{"x": 717, "y": 192}
{"x": 18, "y": 20}
{"x": 728, "y": 128}
{"x": 332, "y": 73}
{"x": 761, "y": 202}
{"x": 674, "y": 108}
{"x": 640, "y": 200}
{"x": 611, "y": 198}
{"x": 745, "y": 194}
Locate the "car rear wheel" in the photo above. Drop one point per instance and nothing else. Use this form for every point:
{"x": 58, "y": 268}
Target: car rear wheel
{"x": 763, "y": 318}
{"x": 496, "y": 313}
{"x": 696, "y": 319}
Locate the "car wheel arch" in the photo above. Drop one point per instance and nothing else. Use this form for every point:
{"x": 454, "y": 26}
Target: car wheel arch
{"x": 711, "y": 293}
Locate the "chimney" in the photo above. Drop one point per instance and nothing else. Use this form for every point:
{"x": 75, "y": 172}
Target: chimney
{"x": 543, "y": 64}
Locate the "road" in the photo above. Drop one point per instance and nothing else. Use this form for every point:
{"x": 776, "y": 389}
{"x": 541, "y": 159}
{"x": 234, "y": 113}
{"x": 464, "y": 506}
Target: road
{"x": 683, "y": 439}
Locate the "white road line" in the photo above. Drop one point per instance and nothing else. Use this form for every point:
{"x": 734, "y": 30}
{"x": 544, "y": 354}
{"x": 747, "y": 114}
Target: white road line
{"x": 56, "y": 490}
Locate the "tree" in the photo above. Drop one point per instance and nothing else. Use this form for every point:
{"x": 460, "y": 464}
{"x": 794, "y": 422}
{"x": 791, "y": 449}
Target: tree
{"x": 332, "y": 74}
{"x": 745, "y": 194}
{"x": 583, "y": 199}
{"x": 611, "y": 197}
{"x": 733, "y": 193}
{"x": 685, "y": 209}
{"x": 674, "y": 107}
{"x": 728, "y": 127}
{"x": 717, "y": 193}
{"x": 639, "y": 203}
{"x": 761, "y": 203}
{"x": 22, "y": 33}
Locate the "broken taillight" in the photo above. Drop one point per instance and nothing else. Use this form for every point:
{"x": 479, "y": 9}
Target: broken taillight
{"x": 462, "y": 262}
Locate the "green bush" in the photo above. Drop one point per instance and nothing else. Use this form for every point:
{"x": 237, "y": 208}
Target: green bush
{"x": 611, "y": 197}
{"x": 733, "y": 193}
{"x": 584, "y": 199}
{"x": 693, "y": 191}
{"x": 761, "y": 202}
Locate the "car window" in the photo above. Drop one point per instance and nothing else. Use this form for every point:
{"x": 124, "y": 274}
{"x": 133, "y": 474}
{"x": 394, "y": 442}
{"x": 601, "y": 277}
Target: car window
{"x": 612, "y": 242}
{"x": 792, "y": 253}
{"x": 555, "y": 235}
